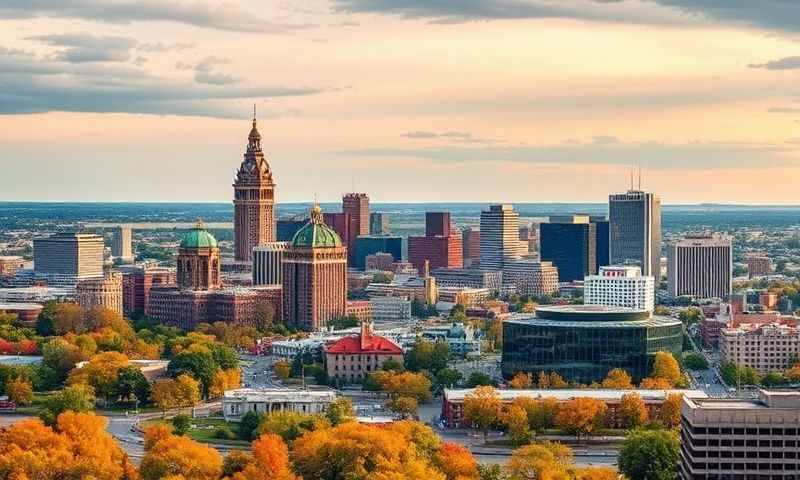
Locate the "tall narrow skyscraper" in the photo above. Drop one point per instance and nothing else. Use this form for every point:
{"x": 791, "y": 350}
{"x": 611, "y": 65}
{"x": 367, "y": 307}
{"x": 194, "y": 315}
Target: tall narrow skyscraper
{"x": 499, "y": 236}
{"x": 254, "y": 200}
{"x": 121, "y": 244}
{"x": 635, "y": 231}
{"x": 700, "y": 265}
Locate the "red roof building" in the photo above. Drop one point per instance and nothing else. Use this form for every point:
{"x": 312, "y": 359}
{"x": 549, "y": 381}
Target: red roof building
{"x": 352, "y": 358}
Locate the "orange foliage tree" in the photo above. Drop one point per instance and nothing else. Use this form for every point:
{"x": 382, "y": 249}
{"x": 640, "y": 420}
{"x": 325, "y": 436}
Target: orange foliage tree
{"x": 521, "y": 381}
{"x": 670, "y": 413}
{"x": 632, "y": 410}
{"x": 456, "y": 462}
{"x": 540, "y": 461}
{"x": 481, "y": 408}
{"x": 174, "y": 455}
{"x": 270, "y": 461}
{"x": 617, "y": 379}
{"x": 581, "y": 416}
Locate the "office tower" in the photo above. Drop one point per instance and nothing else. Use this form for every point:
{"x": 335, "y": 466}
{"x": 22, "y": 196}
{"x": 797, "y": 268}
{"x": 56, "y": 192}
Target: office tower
{"x": 68, "y": 255}
{"x": 268, "y": 263}
{"x": 138, "y": 281}
{"x": 369, "y": 244}
{"x": 198, "y": 260}
{"x": 440, "y": 247}
{"x": 471, "y": 246}
{"x": 357, "y": 206}
{"x": 700, "y": 266}
{"x": 378, "y": 223}
{"x": 601, "y": 247}
{"x": 620, "y": 286}
{"x": 121, "y": 247}
{"x": 570, "y": 242}
{"x": 529, "y": 235}
{"x": 287, "y": 227}
{"x": 634, "y": 225}
{"x": 758, "y": 265}
{"x": 314, "y": 276}
{"x": 531, "y": 277}
{"x": 740, "y": 438}
{"x": 101, "y": 292}
{"x": 253, "y": 201}
{"x": 499, "y": 236}
{"x": 469, "y": 278}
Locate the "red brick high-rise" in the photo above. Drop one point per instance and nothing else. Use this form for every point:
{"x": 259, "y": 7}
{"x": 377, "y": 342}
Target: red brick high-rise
{"x": 352, "y": 222}
{"x": 314, "y": 276}
{"x": 441, "y": 245}
{"x": 254, "y": 200}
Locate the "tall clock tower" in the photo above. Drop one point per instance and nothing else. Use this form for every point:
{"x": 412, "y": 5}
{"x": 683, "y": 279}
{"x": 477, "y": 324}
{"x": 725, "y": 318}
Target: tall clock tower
{"x": 253, "y": 200}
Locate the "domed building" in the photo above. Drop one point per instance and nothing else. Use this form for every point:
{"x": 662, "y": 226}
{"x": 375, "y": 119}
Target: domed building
{"x": 254, "y": 200}
{"x": 198, "y": 260}
{"x": 314, "y": 276}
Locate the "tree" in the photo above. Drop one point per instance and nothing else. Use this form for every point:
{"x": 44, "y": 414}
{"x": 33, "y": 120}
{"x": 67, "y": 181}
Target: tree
{"x": 521, "y": 381}
{"x": 164, "y": 395}
{"x": 632, "y": 410}
{"x": 403, "y": 406}
{"x": 670, "y": 412}
{"x": 406, "y": 384}
{"x": 540, "y": 461}
{"x": 187, "y": 390}
{"x": 248, "y": 425}
{"x": 481, "y": 408}
{"x": 477, "y": 379}
{"x": 225, "y": 380}
{"x": 456, "y": 462}
{"x": 20, "y": 391}
{"x": 448, "y": 377}
{"x": 291, "y": 425}
{"x": 596, "y": 473}
{"x": 541, "y": 412}
{"x": 339, "y": 411}
{"x": 793, "y": 373}
{"x": 556, "y": 381}
{"x": 694, "y": 361}
{"x": 180, "y": 457}
{"x": 491, "y": 472}
{"x": 665, "y": 366}
{"x": 131, "y": 383}
{"x": 420, "y": 355}
{"x": 650, "y": 383}
{"x": 440, "y": 356}
{"x": 581, "y": 416}
{"x": 77, "y": 398}
{"x": 392, "y": 365}
{"x": 181, "y": 423}
{"x": 661, "y": 310}
{"x": 270, "y": 461}
{"x": 617, "y": 379}
{"x": 234, "y": 462}
{"x": 543, "y": 381}
{"x": 515, "y": 419}
{"x": 650, "y": 455}
{"x": 198, "y": 364}
{"x": 100, "y": 372}
{"x": 282, "y": 369}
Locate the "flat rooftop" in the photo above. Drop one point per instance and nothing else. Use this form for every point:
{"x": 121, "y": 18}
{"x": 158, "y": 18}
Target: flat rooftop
{"x": 570, "y": 393}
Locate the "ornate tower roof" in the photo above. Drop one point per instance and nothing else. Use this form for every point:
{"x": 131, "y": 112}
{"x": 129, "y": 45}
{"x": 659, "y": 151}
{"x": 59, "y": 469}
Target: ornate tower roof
{"x": 315, "y": 234}
{"x": 254, "y": 168}
{"x": 199, "y": 237}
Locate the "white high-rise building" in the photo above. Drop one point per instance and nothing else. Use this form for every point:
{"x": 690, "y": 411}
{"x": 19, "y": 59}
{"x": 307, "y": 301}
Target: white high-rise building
{"x": 531, "y": 277}
{"x": 620, "y": 286}
{"x": 499, "y": 236}
{"x": 121, "y": 244}
{"x": 268, "y": 263}
{"x": 700, "y": 266}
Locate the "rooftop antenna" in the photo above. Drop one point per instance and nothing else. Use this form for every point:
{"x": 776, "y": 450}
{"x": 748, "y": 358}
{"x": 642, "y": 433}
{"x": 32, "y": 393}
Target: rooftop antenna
{"x": 631, "y": 172}
{"x": 640, "y": 176}
{"x": 254, "y": 111}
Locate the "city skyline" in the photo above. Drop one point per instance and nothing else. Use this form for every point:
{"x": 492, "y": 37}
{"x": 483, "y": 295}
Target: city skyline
{"x": 395, "y": 99}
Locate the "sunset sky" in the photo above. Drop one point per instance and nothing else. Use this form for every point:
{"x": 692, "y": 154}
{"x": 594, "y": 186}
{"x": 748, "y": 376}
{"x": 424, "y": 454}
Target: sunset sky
{"x": 407, "y": 100}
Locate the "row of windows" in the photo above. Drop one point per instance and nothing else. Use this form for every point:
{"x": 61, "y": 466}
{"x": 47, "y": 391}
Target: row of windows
{"x": 741, "y": 430}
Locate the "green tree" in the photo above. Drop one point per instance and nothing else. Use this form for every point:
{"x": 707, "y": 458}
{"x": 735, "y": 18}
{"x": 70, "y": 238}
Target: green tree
{"x": 131, "y": 383}
{"x": 695, "y": 361}
{"x": 439, "y": 357}
{"x": 420, "y": 355}
{"x": 447, "y": 377}
{"x": 340, "y": 411}
{"x": 199, "y": 365}
{"x": 181, "y": 423}
{"x": 78, "y": 398}
{"x": 650, "y": 455}
{"x": 392, "y": 365}
{"x": 224, "y": 356}
{"x": 45, "y": 323}
{"x": 476, "y": 379}
{"x": 248, "y": 425}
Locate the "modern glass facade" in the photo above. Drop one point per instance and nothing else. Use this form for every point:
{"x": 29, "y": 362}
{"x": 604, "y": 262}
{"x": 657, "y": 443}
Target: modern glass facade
{"x": 369, "y": 244}
{"x": 571, "y": 248}
{"x": 584, "y": 345}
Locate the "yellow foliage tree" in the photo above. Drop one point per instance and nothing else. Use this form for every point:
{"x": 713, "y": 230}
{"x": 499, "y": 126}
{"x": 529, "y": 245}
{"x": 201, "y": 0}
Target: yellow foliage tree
{"x": 556, "y": 381}
{"x": 618, "y": 379}
{"x": 666, "y": 367}
{"x": 651, "y": 383}
{"x": 521, "y": 381}
{"x": 481, "y": 408}
{"x": 406, "y": 384}
{"x": 543, "y": 381}
{"x": 456, "y": 462}
{"x": 174, "y": 455}
{"x": 225, "y": 380}
{"x": 270, "y": 461}
{"x": 540, "y": 461}
{"x": 515, "y": 419}
{"x": 100, "y": 372}
{"x": 20, "y": 391}
{"x": 596, "y": 473}
{"x": 581, "y": 416}
{"x": 282, "y": 369}
{"x": 632, "y": 410}
{"x": 670, "y": 413}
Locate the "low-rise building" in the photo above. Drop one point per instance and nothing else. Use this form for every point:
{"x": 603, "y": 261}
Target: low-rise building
{"x": 390, "y": 309}
{"x": 360, "y": 309}
{"x": 27, "y": 313}
{"x": 10, "y": 264}
{"x": 766, "y": 348}
{"x": 103, "y": 292}
{"x": 741, "y": 438}
{"x": 354, "y": 357}
{"x": 461, "y": 339}
{"x": 236, "y": 403}
{"x": 468, "y": 278}
{"x": 464, "y": 296}
{"x": 453, "y": 400}
{"x": 531, "y": 277}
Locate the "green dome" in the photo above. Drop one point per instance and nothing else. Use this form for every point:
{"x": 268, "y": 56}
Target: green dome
{"x": 198, "y": 237}
{"x": 316, "y": 234}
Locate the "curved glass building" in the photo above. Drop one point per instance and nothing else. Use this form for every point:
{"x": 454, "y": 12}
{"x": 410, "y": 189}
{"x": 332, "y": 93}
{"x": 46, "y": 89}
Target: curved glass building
{"x": 583, "y": 342}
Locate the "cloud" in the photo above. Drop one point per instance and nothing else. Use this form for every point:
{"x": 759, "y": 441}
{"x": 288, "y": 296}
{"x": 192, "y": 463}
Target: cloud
{"x": 85, "y": 47}
{"x": 35, "y": 85}
{"x": 784, "y": 110}
{"x": 463, "y": 137}
{"x": 222, "y": 15}
{"x": 604, "y": 140}
{"x": 781, "y": 15}
{"x": 206, "y": 71}
{"x": 165, "y": 47}
{"x": 655, "y": 155}
{"x": 787, "y": 63}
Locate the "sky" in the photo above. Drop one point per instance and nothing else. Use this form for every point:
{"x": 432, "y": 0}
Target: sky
{"x": 406, "y": 100}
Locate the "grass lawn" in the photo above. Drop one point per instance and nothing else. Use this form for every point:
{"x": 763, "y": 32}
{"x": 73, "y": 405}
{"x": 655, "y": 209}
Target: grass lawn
{"x": 204, "y": 430}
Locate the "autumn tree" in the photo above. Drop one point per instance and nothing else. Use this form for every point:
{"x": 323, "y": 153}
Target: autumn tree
{"x": 187, "y": 391}
{"x": 282, "y": 369}
{"x": 100, "y": 372}
{"x": 521, "y": 381}
{"x": 340, "y": 411}
{"x": 632, "y": 410}
{"x": 291, "y": 425}
{"x": 270, "y": 461}
{"x": 20, "y": 391}
{"x": 456, "y": 462}
{"x": 617, "y": 379}
{"x": 596, "y": 473}
{"x": 174, "y": 455}
{"x": 164, "y": 395}
{"x": 77, "y": 398}
{"x": 403, "y": 406}
{"x": 670, "y": 412}
{"x": 540, "y": 461}
{"x": 481, "y": 408}
{"x": 225, "y": 380}
{"x": 581, "y": 416}
{"x": 515, "y": 419}
{"x": 666, "y": 367}
{"x": 650, "y": 383}
{"x": 543, "y": 380}
{"x": 405, "y": 384}
{"x": 557, "y": 381}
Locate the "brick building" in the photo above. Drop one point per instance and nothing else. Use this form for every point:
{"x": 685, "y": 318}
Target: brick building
{"x": 441, "y": 245}
{"x": 137, "y": 283}
{"x": 361, "y": 309}
{"x": 353, "y": 358}
{"x": 103, "y": 292}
